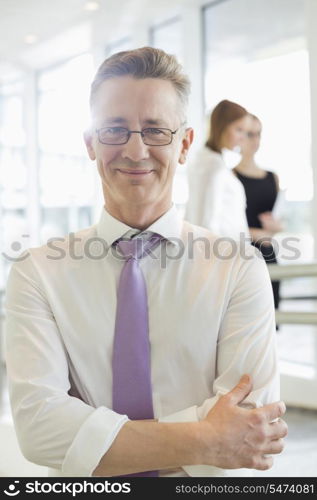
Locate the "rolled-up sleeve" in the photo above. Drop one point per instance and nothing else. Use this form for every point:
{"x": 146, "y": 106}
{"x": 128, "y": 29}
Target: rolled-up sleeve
{"x": 54, "y": 429}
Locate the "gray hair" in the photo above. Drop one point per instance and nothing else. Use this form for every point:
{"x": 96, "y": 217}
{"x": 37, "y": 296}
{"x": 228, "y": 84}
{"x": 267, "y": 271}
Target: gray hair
{"x": 144, "y": 62}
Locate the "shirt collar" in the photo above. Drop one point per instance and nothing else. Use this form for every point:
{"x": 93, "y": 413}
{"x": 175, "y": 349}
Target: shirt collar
{"x": 169, "y": 226}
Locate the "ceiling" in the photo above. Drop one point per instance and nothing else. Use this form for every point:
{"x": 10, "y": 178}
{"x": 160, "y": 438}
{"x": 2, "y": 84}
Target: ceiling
{"x": 249, "y": 28}
{"x": 64, "y": 27}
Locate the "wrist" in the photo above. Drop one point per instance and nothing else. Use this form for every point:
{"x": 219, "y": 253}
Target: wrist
{"x": 206, "y": 446}
{"x": 200, "y": 446}
{"x": 183, "y": 441}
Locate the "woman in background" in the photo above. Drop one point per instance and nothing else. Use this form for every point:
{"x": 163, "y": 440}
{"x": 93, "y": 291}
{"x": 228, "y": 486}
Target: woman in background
{"x": 261, "y": 189}
{"x": 216, "y": 197}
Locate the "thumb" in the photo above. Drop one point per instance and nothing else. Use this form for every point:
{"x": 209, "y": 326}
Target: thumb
{"x": 241, "y": 390}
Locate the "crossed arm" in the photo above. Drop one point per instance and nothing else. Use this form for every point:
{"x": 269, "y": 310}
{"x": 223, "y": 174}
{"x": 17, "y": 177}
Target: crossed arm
{"x": 229, "y": 437}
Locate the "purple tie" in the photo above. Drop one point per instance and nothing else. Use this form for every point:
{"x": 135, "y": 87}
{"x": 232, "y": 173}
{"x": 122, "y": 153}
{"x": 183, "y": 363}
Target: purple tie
{"x": 131, "y": 365}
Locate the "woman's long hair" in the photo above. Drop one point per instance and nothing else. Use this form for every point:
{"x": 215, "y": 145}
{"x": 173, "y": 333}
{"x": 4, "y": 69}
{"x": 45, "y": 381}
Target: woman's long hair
{"x": 223, "y": 114}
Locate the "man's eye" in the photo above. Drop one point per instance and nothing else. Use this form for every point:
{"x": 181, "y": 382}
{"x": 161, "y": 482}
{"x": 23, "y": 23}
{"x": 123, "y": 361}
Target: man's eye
{"x": 115, "y": 130}
{"x": 154, "y": 131}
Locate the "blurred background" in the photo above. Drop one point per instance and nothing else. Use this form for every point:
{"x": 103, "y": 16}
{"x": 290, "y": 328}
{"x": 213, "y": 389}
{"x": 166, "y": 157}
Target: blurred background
{"x": 259, "y": 53}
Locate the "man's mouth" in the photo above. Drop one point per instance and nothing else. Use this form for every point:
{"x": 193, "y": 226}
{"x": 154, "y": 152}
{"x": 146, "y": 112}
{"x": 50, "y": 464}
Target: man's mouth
{"x": 135, "y": 172}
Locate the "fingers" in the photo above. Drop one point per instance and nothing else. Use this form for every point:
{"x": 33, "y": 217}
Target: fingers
{"x": 262, "y": 460}
{"x": 278, "y": 430}
{"x": 272, "y": 411}
{"x": 275, "y": 447}
{"x": 262, "y": 463}
{"x": 241, "y": 390}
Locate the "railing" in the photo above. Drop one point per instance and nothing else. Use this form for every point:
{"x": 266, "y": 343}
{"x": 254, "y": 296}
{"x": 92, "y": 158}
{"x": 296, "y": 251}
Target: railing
{"x": 278, "y": 272}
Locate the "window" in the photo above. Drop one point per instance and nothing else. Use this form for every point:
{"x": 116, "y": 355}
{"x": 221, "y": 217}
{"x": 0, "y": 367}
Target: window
{"x": 67, "y": 176}
{"x": 168, "y": 37}
{"x": 267, "y": 71}
{"x": 13, "y": 173}
{"x": 118, "y": 46}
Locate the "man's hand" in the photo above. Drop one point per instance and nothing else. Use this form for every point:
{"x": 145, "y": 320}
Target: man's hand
{"x": 236, "y": 437}
{"x": 229, "y": 437}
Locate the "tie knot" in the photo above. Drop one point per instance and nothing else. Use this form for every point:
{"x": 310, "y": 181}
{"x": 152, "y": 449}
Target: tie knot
{"x": 137, "y": 248}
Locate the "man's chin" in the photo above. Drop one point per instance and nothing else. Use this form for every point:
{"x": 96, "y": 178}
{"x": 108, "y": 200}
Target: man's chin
{"x": 138, "y": 196}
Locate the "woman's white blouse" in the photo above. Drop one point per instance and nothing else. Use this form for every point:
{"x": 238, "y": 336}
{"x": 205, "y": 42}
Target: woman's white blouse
{"x": 216, "y": 197}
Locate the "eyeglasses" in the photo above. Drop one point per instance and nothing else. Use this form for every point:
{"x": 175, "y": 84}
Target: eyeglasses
{"x": 115, "y": 136}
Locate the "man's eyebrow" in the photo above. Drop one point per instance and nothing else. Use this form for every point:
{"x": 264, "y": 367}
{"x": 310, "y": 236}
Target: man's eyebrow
{"x": 155, "y": 121}
{"x": 114, "y": 120}
{"x": 118, "y": 120}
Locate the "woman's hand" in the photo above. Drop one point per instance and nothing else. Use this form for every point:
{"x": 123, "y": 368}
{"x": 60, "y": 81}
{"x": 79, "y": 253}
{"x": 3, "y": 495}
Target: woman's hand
{"x": 269, "y": 223}
{"x": 260, "y": 236}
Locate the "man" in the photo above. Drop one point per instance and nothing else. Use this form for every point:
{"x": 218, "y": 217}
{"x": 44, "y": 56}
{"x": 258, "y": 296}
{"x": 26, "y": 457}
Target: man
{"x": 102, "y": 384}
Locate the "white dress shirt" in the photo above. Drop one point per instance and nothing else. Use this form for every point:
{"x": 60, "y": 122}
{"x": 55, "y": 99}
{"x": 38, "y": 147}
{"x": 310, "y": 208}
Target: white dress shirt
{"x": 217, "y": 198}
{"x": 211, "y": 319}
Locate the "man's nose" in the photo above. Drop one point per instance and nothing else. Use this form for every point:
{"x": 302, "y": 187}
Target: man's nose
{"x": 135, "y": 149}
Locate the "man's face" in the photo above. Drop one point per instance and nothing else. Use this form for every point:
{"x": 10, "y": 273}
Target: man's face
{"x": 134, "y": 173}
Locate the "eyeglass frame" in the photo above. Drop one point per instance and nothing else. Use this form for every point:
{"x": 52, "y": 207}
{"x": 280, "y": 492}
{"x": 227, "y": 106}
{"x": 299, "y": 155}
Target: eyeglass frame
{"x": 129, "y": 132}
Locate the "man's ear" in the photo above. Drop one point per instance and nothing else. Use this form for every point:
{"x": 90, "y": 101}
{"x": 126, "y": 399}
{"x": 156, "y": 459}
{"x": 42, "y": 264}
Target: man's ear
{"x": 89, "y": 144}
{"x": 186, "y": 143}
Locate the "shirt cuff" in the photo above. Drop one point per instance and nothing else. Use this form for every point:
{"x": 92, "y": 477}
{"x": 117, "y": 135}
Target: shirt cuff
{"x": 92, "y": 441}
